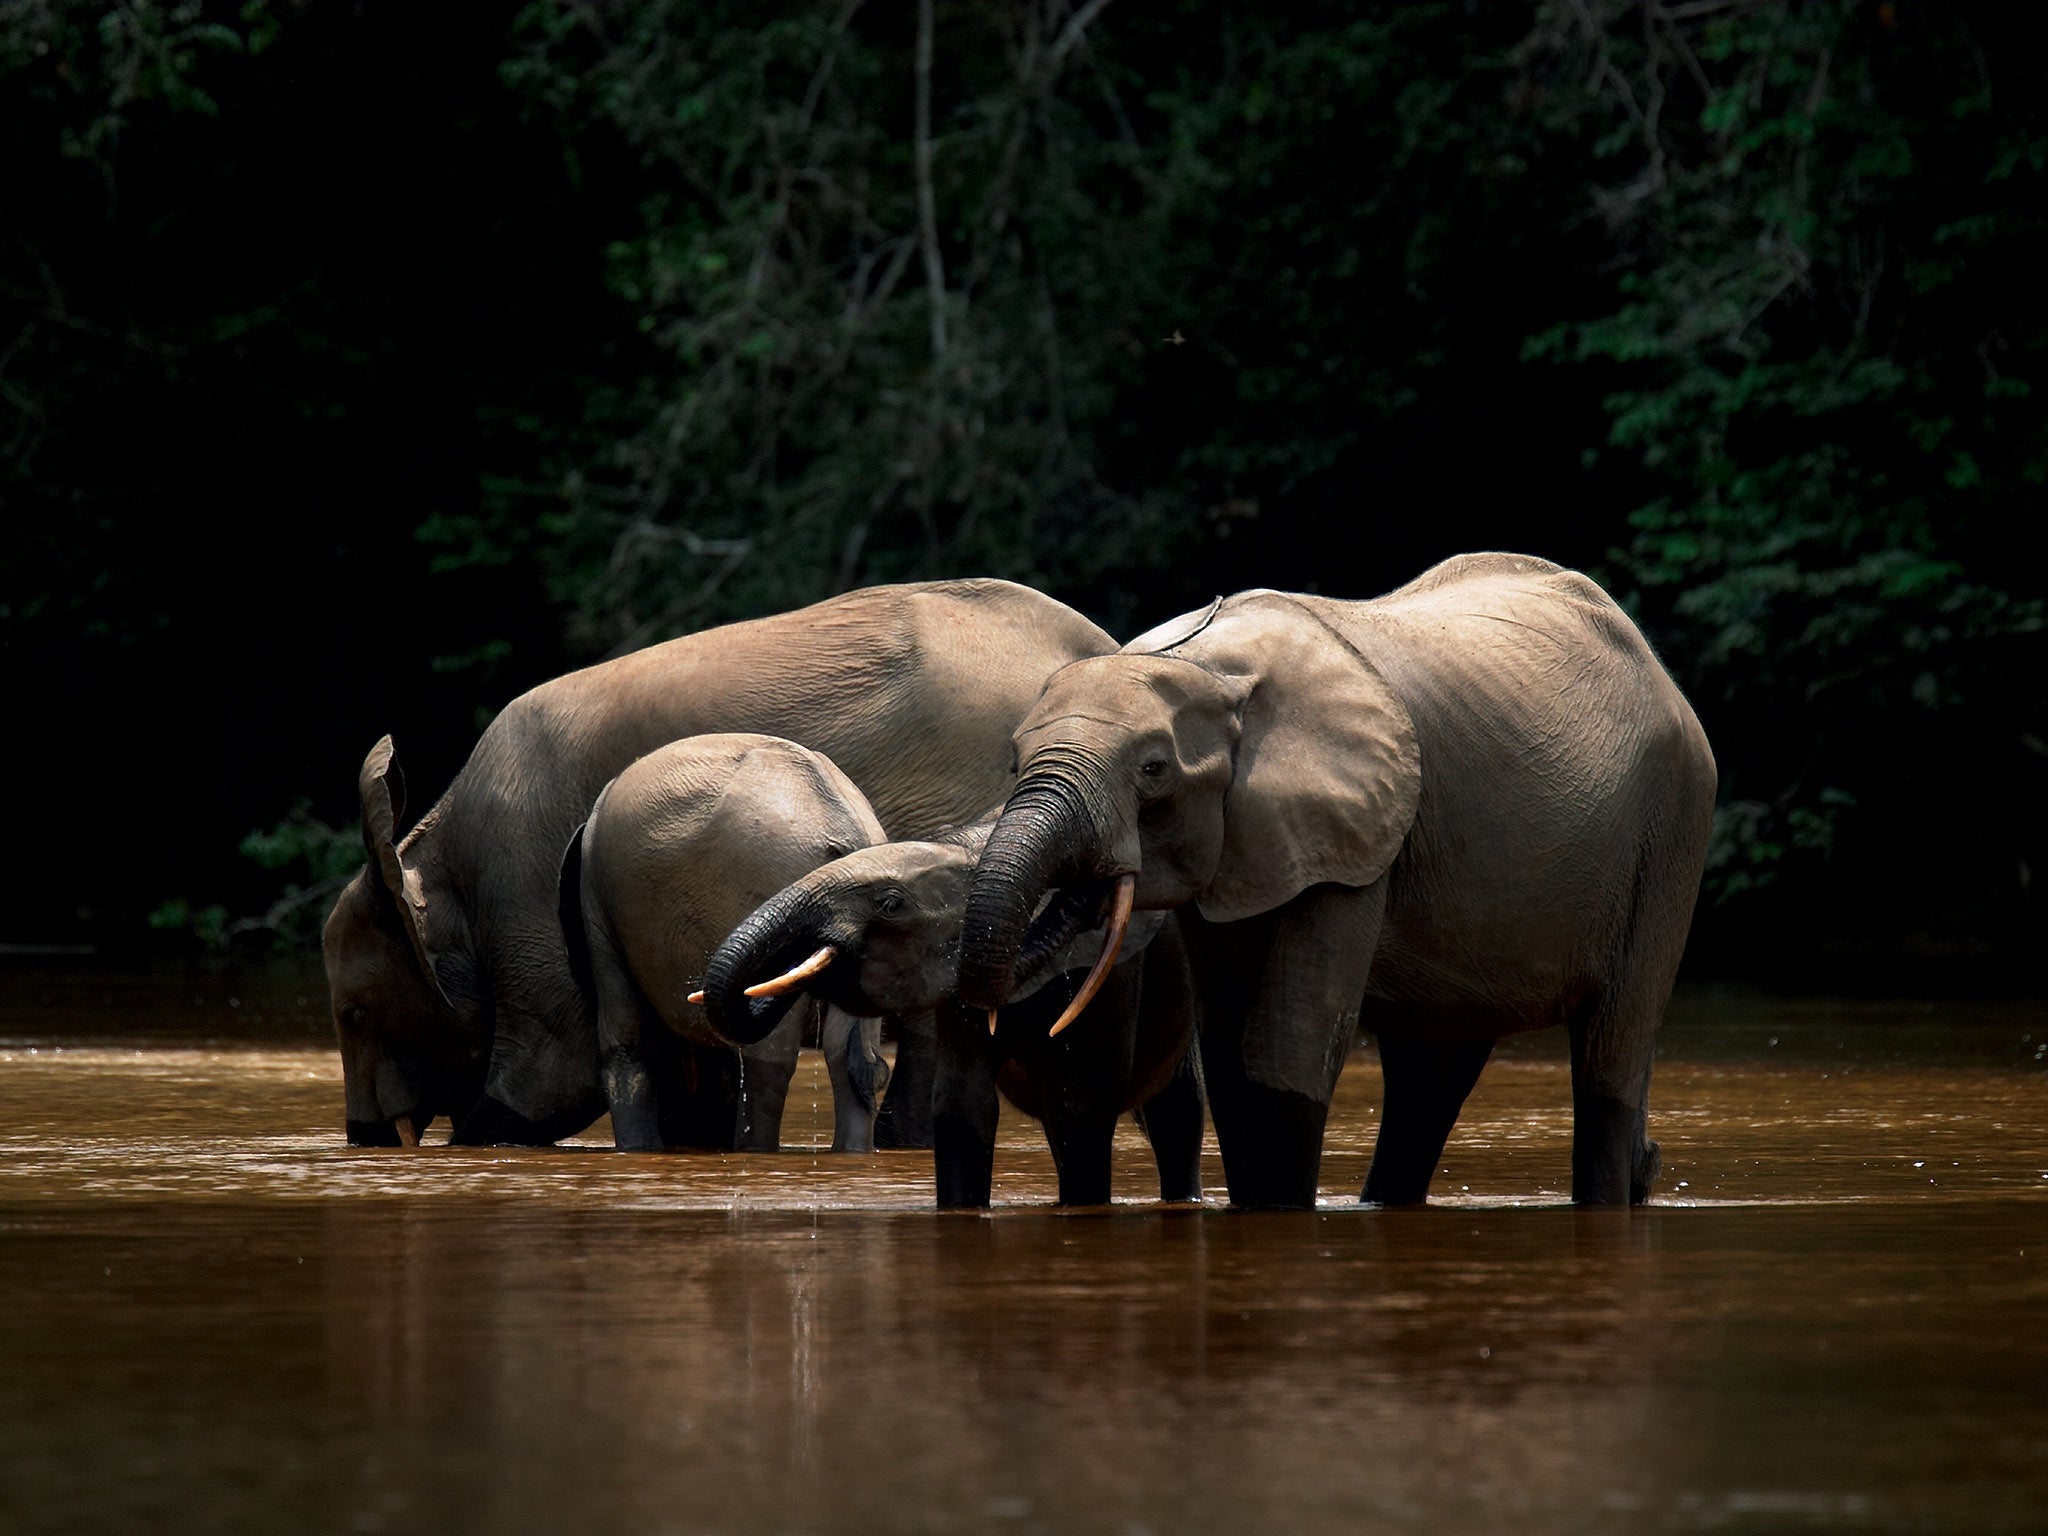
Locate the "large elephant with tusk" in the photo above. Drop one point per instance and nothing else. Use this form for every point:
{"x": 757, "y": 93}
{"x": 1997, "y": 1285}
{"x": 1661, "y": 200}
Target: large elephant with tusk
{"x": 677, "y": 850}
{"x": 1472, "y": 807}
{"x": 450, "y": 980}
{"x": 878, "y": 932}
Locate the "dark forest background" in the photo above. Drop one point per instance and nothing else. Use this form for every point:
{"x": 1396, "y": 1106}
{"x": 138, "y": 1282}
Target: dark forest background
{"x": 362, "y": 364}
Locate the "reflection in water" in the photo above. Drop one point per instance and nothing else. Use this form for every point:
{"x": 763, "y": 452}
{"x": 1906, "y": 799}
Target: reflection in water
{"x": 213, "y": 1316}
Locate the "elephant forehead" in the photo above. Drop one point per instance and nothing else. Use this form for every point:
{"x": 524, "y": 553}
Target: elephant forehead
{"x": 901, "y": 861}
{"x": 1121, "y": 691}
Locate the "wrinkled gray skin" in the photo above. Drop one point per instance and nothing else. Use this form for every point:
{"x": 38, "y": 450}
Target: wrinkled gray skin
{"x": 1472, "y": 807}
{"x": 678, "y": 849}
{"x": 450, "y": 983}
{"x": 893, "y": 915}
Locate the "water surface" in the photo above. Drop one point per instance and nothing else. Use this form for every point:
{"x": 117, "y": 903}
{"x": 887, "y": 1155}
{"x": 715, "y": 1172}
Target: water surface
{"x": 215, "y": 1316}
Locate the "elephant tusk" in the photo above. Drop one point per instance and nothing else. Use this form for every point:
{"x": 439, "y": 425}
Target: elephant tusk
{"x": 789, "y": 981}
{"x": 695, "y": 997}
{"x": 992, "y": 1021}
{"x": 407, "y": 1136}
{"x": 1119, "y": 920}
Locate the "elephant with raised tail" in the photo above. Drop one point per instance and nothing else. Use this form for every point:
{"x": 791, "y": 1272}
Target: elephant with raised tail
{"x": 450, "y": 981}
{"x": 878, "y": 932}
{"x": 678, "y": 849}
{"x": 1474, "y": 806}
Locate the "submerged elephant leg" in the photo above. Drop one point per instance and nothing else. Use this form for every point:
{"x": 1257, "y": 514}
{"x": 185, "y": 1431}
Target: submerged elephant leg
{"x": 1280, "y": 996}
{"x": 1172, "y": 1122}
{"x": 1614, "y": 1162}
{"x": 629, "y": 1090}
{"x": 964, "y": 1108}
{"x": 630, "y": 1045}
{"x": 905, "y": 1119}
{"x": 1425, "y": 1085}
{"x": 1614, "y": 1031}
{"x": 765, "y": 1070}
{"x": 1081, "y": 1157}
{"x": 853, "y": 1059}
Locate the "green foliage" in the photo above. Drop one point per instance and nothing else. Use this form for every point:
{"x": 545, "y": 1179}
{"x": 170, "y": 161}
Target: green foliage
{"x": 1825, "y": 349}
{"x": 317, "y": 860}
{"x": 303, "y": 844}
{"x": 832, "y": 393}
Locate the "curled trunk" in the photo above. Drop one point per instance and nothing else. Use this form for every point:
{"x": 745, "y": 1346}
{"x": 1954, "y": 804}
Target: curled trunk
{"x": 776, "y": 938}
{"x": 1039, "y": 837}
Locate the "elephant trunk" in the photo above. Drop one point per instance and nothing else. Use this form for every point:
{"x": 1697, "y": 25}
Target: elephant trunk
{"x": 782, "y": 940}
{"x": 1034, "y": 845}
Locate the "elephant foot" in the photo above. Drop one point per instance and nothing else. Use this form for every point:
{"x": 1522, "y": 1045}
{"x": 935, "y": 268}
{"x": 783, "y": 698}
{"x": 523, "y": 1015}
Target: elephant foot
{"x": 1081, "y": 1158}
{"x": 1272, "y": 1141}
{"x": 1425, "y": 1085}
{"x": 1172, "y": 1122}
{"x": 965, "y": 1164}
{"x": 1611, "y": 1162}
{"x": 1649, "y": 1163}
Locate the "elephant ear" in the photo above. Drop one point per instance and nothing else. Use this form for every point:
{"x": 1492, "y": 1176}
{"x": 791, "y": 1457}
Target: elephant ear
{"x": 398, "y": 888}
{"x": 1327, "y": 773}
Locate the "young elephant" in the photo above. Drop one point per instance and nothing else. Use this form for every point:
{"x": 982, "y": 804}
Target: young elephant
{"x": 678, "y": 849}
{"x": 878, "y": 931}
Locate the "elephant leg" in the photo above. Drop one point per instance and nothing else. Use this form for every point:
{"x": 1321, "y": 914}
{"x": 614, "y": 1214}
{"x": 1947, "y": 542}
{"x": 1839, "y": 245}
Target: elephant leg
{"x": 765, "y": 1070}
{"x": 1425, "y": 1085}
{"x": 1081, "y": 1157}
{"x": 629, "y": 1090}
{"x": 1172, "y": 1122}
{"x": 1280, "y": 998}
{"x": 1614, "y": 1162}
{"x": 964, "y": 1108}
{"x": 1614, "y": 1032}
{"x": 905, "y": 1119}
{"x": 853, "y": 1058}
{"x": 629, "y": 1037}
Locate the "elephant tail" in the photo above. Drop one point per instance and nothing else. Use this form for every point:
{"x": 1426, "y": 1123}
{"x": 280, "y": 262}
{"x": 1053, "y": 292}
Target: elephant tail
{"x": 569, "y": 908}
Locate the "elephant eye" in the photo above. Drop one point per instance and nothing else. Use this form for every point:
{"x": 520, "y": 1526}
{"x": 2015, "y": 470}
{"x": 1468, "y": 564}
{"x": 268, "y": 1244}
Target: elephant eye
{"x": 1154, "y": 767}
{"x": 890, "y": 903}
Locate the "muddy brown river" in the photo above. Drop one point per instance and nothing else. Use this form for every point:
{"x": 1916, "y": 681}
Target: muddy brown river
{"x": 214, "y": 1316}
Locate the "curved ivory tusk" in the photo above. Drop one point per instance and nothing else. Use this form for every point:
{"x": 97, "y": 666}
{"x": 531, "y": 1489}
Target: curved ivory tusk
{"x": 789, "y": 981}
{"x": 1119, "y": 920}
{"x": 407, "y": 1136}
{"x": 695, "y": 997}
{"x": 992, "y": 1021}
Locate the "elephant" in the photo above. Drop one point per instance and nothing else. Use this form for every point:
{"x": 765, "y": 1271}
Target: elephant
{"x": 1474, "y": 806}
{"x": 878, "y": 932}
{"x": 448, "y": 975}
{"x": 679, "y": 848}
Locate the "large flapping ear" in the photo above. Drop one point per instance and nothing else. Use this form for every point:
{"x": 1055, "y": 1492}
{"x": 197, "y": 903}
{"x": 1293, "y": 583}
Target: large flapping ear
{"x": 1327, "y": 773}
{"x": 398, "y": 888}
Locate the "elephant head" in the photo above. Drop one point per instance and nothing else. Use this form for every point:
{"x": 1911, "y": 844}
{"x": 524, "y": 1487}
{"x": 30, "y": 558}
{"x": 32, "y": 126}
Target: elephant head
{"x": 1229, "y": 759}
{"x": 875, "y": 932}
{"x": 407, "y": 1052}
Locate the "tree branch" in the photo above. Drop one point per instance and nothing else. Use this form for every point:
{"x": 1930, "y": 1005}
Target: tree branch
{"x": 1070, "y": 34}
{"x": 927, "y": 206}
